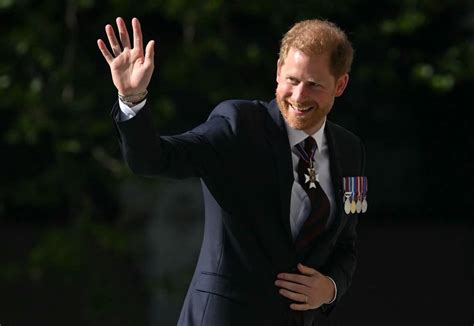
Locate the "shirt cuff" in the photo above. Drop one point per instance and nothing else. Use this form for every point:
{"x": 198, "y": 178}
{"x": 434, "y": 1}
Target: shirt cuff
{"x": 128, "y": 112}
{"x": 335, "y": 290}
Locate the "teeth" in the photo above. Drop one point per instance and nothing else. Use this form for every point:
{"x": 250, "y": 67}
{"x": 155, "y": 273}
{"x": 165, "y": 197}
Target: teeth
{"x": 300, "y": 109}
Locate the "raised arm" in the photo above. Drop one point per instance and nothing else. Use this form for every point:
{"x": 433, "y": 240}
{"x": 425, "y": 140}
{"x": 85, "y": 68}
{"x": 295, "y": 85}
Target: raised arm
{"x": 130, "y": 67}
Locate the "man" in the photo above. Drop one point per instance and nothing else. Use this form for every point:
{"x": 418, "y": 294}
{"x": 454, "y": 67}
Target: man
{"x": 282, "y": 185}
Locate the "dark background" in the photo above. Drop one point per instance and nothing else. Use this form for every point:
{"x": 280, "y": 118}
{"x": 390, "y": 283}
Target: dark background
{"x": 84, "y": 242}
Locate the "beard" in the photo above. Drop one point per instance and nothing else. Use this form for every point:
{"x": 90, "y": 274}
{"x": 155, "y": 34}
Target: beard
{"x": 309, "y": 122}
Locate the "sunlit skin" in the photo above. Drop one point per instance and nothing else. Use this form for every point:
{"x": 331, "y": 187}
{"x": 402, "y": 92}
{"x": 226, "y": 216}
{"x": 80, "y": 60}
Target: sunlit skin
{"x": 305, "y": 95}
{"x": 306, "y": 83}
{"x": 303, "y": 82}
{"x": 131, "y": 67}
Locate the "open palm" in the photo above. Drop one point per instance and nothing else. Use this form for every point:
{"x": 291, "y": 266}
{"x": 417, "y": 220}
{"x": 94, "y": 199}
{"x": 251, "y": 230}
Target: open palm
{"x": 131, "y": 68}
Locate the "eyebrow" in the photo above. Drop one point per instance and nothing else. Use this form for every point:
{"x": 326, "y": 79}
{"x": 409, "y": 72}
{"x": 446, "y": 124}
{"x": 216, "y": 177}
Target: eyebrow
{"x": 310, "y": 80}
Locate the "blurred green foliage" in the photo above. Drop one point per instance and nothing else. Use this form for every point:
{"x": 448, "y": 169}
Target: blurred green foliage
{"x": 60, "y": 155}
{"x": 60, "y": 160}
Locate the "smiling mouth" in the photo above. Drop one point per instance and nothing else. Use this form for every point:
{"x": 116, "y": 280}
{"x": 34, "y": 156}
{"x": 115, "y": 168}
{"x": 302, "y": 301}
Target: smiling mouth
{"x": 301, "y": 110}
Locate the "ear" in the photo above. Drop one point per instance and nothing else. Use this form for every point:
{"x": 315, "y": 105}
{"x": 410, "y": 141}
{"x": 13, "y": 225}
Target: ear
{"x": 278, "y": 70}
{"x": 341, "y": 84}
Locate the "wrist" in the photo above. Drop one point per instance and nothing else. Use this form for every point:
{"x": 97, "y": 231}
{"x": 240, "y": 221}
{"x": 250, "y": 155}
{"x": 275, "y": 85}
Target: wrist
{"x": 133, "y": 99}
{"x": 333, "y": 290}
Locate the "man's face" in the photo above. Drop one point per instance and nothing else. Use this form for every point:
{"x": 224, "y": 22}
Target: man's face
{"x": 306, "y": 90}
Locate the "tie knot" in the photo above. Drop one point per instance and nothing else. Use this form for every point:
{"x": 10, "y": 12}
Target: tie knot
{"x": 309, "y": 145}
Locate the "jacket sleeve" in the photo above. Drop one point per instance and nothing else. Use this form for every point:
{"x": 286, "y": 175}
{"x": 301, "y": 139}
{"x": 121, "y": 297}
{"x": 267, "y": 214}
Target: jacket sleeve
{"x": 194, "y": 153}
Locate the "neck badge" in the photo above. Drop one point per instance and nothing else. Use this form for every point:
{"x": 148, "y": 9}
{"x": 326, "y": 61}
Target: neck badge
{"x": 312, "y": 177}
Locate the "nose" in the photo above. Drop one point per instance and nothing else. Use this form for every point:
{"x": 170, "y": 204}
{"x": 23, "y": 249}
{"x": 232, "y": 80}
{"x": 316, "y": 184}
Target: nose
{"x": 299, "y": 93}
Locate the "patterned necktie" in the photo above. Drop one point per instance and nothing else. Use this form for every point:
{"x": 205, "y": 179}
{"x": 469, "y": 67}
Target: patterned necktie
{"x": 320, "y": 206}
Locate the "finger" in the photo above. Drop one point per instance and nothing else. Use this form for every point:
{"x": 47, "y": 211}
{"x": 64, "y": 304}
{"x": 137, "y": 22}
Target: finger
{"x": 114, "y": 44}
{"x": 137, "y": 35}
{"x": 149, "y": 52}
{"x": 123, "y": 33}
{"x": 105, "y": 52}
{"x": 294, "y": 287}
{"x": 306, "y": 270}
{"x": 300, "y": 306}
{"x": 298, "y": 297}
{"x": 296, "y": 278}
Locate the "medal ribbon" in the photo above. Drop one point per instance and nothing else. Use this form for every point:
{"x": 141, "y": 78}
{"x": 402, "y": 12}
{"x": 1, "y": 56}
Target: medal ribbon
{"x": 346, "y": 185}
{"x": 351, "y": 179}
{"x": 359, "y": 187}
{"x": 304, "y": 154}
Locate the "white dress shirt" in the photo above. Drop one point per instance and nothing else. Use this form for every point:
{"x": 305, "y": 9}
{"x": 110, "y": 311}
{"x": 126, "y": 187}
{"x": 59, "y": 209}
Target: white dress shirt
{"x": 128, "y": 112}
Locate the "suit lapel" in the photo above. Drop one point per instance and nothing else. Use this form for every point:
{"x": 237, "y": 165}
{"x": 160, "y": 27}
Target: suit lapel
{"x": 336, "y": 172}
{"x": 277, "y": 138}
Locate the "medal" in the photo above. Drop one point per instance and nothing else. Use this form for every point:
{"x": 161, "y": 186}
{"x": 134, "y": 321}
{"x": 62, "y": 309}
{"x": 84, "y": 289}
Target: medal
{"x": 312, "y": 177}
{"x": 359, "y": 194}
{"x": 353, "y": 192}
{"x": 364, "y": 206}
{"x": 347, "y": 195}
{"x": 364, "y": 190}
{"x": 347, "y": 203}
{"x": 353, "y": 206}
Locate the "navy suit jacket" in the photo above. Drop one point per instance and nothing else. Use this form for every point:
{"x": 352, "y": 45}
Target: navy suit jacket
{"x": 243, "y": 157}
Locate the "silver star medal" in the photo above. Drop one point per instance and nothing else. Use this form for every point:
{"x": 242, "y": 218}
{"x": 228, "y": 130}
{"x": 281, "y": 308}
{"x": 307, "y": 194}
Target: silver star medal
{"x": 312, "y": 178}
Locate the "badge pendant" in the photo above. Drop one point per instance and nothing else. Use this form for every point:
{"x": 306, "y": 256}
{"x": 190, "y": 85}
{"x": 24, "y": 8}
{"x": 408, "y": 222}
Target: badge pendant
{"x": 312, "y": 177}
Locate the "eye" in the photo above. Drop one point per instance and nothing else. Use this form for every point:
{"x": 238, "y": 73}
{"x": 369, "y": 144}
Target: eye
{"x": 314, "y": 85}
{"x": 292, "y": 80}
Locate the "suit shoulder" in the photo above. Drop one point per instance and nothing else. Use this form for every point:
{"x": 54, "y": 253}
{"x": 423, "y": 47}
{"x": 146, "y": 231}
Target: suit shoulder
{"x": 240, "y": 108}
{"x": 350, "y": 147}
{"x": 241, "y": 115}
{"x": 343, "y": 135}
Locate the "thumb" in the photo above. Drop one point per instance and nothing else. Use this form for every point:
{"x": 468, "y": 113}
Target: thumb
{"x": 306, "y": 270}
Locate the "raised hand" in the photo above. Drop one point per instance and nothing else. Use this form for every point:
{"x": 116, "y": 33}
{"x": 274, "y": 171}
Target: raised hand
{"x": 131, "y": 69}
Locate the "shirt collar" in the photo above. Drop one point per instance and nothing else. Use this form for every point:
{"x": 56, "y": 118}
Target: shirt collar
{"x": 297, "y": 136}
